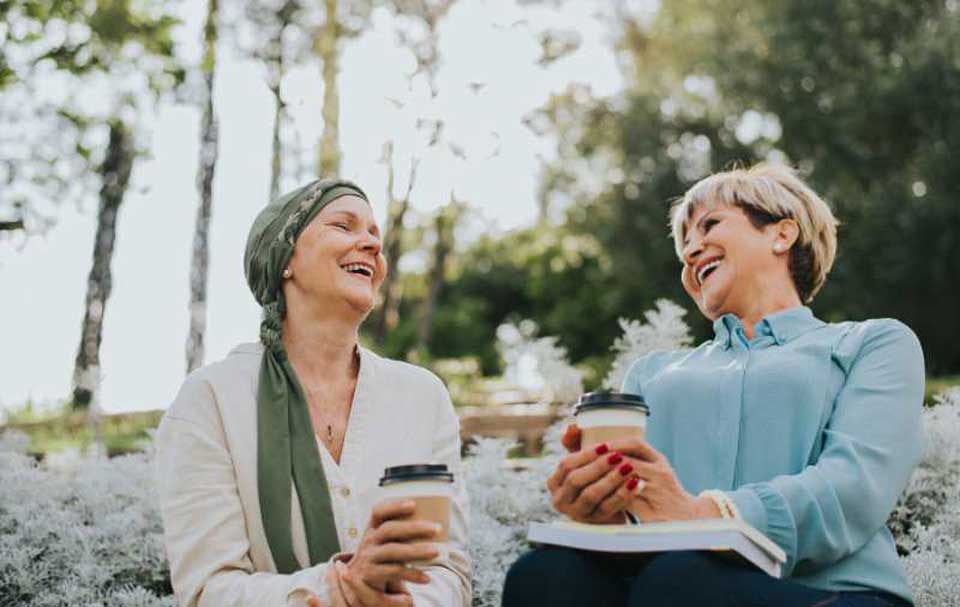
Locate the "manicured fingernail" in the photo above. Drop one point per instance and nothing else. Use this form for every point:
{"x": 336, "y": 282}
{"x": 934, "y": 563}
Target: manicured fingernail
{"x": 626, "y": 469}
{"x": 601, "y": 448}
{"x": 632, "y": 483}
{"x": 614, "y": 459}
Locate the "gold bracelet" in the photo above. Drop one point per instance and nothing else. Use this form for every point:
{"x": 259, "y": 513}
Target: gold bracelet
{"x": 727, "y": 508}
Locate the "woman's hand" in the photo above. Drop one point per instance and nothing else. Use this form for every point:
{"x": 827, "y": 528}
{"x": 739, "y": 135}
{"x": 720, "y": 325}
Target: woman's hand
{"x": 357, "y": 593}
{"x": 592, "y": 486}
{"x": 378, "y": 569}
{"x": 332, "y": 578}
{"x": 661, "y": 496}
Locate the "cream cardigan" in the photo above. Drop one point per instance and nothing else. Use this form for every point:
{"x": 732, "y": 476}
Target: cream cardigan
{"x": 207, "y": 482}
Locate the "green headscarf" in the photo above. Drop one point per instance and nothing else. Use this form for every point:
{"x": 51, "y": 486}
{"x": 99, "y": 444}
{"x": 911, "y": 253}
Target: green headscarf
{"x": 286, "y": 444}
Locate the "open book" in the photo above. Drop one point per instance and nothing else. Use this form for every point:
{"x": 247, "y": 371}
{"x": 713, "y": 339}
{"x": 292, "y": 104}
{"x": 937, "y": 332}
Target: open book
{"x": 734, "y": 537}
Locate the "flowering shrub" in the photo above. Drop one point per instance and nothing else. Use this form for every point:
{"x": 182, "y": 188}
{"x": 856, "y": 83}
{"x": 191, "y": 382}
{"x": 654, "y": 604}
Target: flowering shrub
{"x": 85, "y": 531}
{"x": 538, "y": 362}
{"x": 664, "y": 330}
{"x": 926, "y": 521}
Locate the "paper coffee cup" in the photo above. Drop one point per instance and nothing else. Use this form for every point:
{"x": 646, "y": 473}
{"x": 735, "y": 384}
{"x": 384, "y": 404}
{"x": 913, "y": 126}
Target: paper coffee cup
{"x": 605, "y": 416}
{"x": 430, "y": 487}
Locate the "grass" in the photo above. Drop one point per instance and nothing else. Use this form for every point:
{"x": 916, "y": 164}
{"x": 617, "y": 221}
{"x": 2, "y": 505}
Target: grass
{"x": 936, "y": 385}
{"x": 55, "y": 432}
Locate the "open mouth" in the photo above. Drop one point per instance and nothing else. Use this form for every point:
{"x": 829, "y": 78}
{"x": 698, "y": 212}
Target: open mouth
{"x": 707, "y": 270}
{"x": 361, "y": 269}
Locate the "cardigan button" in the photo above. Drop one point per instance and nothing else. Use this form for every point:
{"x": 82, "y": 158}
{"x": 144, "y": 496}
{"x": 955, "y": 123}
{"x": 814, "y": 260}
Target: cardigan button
{"x": 352, "y": 532}
{"x": 345, "y": 491}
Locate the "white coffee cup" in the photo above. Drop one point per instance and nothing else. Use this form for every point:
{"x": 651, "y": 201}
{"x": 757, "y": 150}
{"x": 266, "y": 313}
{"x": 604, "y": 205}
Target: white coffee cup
{"x": 430, "y": 488}
{"x": 605, "y": 416}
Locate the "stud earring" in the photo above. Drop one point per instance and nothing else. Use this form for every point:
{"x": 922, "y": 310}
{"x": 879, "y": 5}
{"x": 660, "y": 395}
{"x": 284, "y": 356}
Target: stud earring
{"x": 287, "y": 273}
{"x": 778, "y": 248}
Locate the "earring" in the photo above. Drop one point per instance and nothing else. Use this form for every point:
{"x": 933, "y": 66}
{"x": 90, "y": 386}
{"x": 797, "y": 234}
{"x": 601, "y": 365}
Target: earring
{"x": 287, "y": 273}
{"x": 778, "y": 248}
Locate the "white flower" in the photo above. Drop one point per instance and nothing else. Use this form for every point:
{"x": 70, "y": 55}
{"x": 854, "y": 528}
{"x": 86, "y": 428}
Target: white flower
{"x": 664, "y": 330}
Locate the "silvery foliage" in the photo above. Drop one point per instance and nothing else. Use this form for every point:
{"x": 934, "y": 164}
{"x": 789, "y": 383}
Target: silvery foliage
{"x": 538, "y": 362}
{"x": 926, "y": 521}
{"x": 79, "y": 532}
{"x": 503, "y": 500}
{"x": 664, "y": 330}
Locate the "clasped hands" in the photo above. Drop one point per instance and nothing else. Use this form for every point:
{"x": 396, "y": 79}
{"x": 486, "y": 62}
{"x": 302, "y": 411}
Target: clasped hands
{"x": 597, "y": 485}
{"x": 377, "y": 573}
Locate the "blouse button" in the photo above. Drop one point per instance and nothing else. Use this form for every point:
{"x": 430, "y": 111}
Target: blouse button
{"x": 352, "y": 532}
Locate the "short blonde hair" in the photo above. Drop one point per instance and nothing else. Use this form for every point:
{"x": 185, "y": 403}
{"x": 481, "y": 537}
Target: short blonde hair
{"x": 768, "y": 193}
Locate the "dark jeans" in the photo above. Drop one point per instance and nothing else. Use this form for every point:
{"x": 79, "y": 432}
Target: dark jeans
{"x": 563, "y": 577}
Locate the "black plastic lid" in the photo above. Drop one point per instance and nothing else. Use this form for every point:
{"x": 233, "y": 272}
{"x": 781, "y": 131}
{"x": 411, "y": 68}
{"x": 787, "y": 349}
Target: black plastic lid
{"x": 416, "y": 472}
{"x": 610, "y": 400}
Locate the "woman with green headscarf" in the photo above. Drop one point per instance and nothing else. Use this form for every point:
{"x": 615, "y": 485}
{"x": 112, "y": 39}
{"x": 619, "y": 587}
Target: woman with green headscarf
{"x": 269, "y": 460}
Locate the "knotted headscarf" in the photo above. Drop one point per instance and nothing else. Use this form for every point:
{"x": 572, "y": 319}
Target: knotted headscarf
{"x": 286, "y": 445}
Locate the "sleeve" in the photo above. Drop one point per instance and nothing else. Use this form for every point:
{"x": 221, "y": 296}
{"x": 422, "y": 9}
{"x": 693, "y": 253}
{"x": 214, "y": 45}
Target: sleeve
{"x": 872, "y": 442}
{"x": 204, "y": 529}
{"x": 450, "y": 581}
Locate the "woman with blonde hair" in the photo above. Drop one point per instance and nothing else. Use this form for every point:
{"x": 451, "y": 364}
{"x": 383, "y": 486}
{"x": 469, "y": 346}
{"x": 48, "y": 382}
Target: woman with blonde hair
{"x": 269, "y": 460}
{"x": 804, "y": 429}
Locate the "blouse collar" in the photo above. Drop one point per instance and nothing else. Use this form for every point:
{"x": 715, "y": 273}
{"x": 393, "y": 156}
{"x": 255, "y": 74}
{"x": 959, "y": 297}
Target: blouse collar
{"x": 783, "y": 326}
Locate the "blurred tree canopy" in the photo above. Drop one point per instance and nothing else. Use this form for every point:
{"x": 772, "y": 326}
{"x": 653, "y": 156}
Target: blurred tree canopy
{"x": 863, "y": 97}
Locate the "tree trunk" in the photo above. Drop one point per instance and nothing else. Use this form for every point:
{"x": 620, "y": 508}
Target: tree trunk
{"x": 328, "y": 48}
{"x": 115, "y": 176}
{"x": 388, "y": 316}
{"x": 277, "y": 69}
{"x": 276, "y": 158}
{"x": 444, "y": 226}
{"x": 205, "y": 171}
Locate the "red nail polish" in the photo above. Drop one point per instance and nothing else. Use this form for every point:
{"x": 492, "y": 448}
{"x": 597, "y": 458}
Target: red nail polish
{"x": 632, "y": 483}
{"x": 614, "y": 459}
{"x": 626, "y": 469}
{"x": 601, "y": 448}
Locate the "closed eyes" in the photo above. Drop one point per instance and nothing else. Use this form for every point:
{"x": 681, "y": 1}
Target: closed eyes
{"x": 347, "y": 228}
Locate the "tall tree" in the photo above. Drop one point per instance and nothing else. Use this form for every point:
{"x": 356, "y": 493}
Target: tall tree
{"x": 66, "y": 147}
{"x": 386, "y": 318}
{"x": 209, "y": 142}
{"x": 344, "y": 19}
{"x": 418, "y": 31}
{"x": 115, "y": 176}
{"x": 279, "y": 35}
{"x": 125, "y": 40}
{"x": 444, "y": 230}
{"x": 328, "y": 49}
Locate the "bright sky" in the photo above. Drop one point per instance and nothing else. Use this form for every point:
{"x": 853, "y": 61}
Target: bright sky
{"x": 142, "y": 355}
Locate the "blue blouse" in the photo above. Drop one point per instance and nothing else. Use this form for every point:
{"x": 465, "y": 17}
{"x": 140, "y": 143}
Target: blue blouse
{"x": 813, "y": 429}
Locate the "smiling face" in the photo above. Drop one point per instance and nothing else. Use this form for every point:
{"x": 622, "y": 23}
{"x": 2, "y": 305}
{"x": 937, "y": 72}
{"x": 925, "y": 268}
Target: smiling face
{"x": 337, "y": 257}
{"x": 729, "y": 265}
